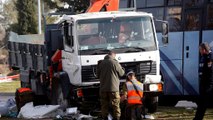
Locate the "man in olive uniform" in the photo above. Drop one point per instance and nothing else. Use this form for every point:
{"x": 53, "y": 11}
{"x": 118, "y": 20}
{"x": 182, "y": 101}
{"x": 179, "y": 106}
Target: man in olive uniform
{"x": 109, "y": 70}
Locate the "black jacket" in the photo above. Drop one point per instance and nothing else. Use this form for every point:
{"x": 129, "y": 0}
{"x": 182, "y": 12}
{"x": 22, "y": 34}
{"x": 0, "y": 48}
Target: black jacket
{"x": 205, "y": 73}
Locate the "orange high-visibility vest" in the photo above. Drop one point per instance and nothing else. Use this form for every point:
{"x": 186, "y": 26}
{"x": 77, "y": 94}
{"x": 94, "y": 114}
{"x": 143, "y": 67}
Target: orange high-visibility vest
{"x": 132, "y": 96}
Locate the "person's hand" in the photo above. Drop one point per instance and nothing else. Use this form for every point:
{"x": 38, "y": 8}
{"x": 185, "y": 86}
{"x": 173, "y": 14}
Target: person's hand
{"x": 123, "y": 98}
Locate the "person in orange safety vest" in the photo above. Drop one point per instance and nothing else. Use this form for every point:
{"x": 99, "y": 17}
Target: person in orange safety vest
{"x": 133, "y": 93}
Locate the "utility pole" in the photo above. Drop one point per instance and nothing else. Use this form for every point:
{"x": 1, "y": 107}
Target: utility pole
{"x": 1, "y": 6}
{"x": 39, "y": 16}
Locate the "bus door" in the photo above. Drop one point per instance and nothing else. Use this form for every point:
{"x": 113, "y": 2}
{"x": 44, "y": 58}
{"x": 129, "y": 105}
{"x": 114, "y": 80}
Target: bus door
{"x": 191, "y": 51}
{"x": 172, "y": 54}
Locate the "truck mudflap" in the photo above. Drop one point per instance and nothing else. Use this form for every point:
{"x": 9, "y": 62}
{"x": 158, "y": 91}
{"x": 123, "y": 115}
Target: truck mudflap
{"x": 153, "y": 89}
{"x": 65, "y": 84}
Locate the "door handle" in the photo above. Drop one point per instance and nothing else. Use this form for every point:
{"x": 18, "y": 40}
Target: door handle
{"x": 187, "y": 48}
{"x": 187, "y": 55}
{"x": 187, "y": 51}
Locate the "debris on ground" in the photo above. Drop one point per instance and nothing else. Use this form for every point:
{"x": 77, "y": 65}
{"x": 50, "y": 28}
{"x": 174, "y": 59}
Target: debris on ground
{"x": 8, "y": 108}
{"x": 73, "y": 114}
{"x": 150, "y": 117}
{"x": 28, "y": 111}
{"x": 72, "y": 110}
{"x": 186, "y": 104}
{"x": 79, "y": 116}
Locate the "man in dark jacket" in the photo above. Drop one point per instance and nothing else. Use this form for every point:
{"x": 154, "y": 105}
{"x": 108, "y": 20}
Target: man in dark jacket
{"x": 206, "y": 81}
{"x": 109, "y": 70}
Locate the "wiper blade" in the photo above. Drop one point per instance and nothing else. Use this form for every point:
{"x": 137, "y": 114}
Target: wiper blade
{"x": 134, "y": 49}
{"x": 96, "y": 51}
{"x": 100, "y": 51}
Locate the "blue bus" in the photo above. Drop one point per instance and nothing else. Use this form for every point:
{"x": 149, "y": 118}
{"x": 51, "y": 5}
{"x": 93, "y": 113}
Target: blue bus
{"x": 191, "y": 23}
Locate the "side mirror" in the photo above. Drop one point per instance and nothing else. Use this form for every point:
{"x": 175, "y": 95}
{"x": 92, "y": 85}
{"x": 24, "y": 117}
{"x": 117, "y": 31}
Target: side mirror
{"x": 165, "y": 31}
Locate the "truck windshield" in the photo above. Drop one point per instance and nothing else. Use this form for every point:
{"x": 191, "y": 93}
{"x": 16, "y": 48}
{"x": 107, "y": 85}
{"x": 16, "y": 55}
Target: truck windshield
{"x": 124, "y": 34}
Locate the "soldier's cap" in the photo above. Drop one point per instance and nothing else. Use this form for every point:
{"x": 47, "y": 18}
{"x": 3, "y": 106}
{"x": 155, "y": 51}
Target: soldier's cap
{"x": 130, "y": 72}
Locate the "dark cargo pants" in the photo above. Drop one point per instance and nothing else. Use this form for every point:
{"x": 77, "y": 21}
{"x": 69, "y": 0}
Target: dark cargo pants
{"x": 110, "y": 99}
{"x": 134, "y": 112}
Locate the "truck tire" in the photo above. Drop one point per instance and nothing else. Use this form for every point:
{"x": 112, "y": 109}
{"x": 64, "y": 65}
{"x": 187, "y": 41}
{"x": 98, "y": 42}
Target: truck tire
{"x": 151, "y": 103}
{"x": 57, "y": 94}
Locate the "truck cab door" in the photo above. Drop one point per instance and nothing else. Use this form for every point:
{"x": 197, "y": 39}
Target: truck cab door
{"x": 70, "y": 59}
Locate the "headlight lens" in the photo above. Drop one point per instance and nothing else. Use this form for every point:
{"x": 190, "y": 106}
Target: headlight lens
{"x": 153, "y": 87}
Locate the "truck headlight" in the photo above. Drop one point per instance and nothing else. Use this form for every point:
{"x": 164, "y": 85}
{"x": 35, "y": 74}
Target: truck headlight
{"x": 153, "y": 87}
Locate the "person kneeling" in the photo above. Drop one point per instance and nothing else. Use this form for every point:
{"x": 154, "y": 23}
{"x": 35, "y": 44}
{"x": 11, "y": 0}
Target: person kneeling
{"x": 133, "y": 94}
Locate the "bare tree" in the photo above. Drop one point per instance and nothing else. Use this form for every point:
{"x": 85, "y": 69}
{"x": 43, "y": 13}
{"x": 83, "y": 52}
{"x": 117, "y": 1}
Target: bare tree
{"x": 2, "y": 33}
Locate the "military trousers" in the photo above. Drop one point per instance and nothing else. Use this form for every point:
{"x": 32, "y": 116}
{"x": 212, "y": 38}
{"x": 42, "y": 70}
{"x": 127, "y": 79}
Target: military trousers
{"x": 110, "y": 101}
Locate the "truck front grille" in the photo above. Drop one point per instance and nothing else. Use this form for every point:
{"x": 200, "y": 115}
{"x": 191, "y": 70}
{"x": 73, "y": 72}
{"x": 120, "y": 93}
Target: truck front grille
{"x": 89, "y": 74}
{"x": 140, "y": 68}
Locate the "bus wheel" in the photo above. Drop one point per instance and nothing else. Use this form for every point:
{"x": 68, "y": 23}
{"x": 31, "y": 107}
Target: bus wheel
{"x": 57, "y": 94}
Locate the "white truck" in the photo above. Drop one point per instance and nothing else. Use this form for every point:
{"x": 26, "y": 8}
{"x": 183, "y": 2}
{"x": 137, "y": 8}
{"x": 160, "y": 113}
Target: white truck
{"x": 86, "y": 39}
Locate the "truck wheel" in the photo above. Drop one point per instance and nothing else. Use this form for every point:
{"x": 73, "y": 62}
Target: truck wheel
{"x": 57, "y": 95}
{"x": 151, "y": 104}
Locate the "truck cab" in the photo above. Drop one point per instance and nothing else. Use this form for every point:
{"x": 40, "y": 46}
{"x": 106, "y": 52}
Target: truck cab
{"x": 89, "y": 37}
{"x": 78, "y": 43}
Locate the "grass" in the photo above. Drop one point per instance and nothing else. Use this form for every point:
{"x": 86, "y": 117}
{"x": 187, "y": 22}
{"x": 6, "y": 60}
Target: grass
{"x": 9, "y": 87}
{"x": 172, "y": 113}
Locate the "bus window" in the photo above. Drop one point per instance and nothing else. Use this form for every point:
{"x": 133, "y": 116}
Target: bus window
{"x": 209, "y": 16}
{"x": 149, "y": 3}
{"x": 174, "y": 18}
{"x": 174, "y": 2}
{"x": 153, "y": 3}
{"x": 125, "y": 4}
{"x": 158, "y": 14}
{"x": 141, "y": 3}
{"x": 193, "y": 3}
{"x": 192, "y": 21}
